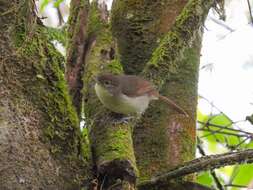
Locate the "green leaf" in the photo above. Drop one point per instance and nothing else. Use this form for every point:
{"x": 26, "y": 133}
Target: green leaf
{"x": 202, "y": 117}
{"x": 227, "y": 171}
{"x": 216, "y": 124}
{"x": 250, "y": 144}
{"x": 220, "y": 119}
{"x": 57, "y": 3}
{"x": 43, "y": 4}
{"x": 244, "y": 175}
{"x": 205, "y": 178}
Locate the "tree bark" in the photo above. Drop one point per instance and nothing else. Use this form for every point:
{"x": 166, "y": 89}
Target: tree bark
{"x": 39, "y": 134}
{"x": 77, "y": 48}
{"x": 41, "y": 145}
{"x": 111, "y": 141}
{"x": 163, "y": 138}
{"x": 139, "y": 26}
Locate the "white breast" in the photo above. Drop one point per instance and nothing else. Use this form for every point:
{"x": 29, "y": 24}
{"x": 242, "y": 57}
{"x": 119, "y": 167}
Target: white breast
{"x": 139, "y": 104}
{"x": 122, "y": 103}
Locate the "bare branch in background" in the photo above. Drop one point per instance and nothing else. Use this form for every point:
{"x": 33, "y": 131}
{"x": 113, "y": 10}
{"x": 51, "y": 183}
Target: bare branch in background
{"x": 206, "y": 163}
{"x": 222, "y": 23}
{"x": 250, "y": 13}
{"x": 219, "y": 7}
{"x": 220, "y": 127}
{"x": 235, "y": 185}
{"x": 221, "y": 134}
{"x": 250, "y": 119}
{"x": 212, "y": 172}
{"x": 60, "y": 17}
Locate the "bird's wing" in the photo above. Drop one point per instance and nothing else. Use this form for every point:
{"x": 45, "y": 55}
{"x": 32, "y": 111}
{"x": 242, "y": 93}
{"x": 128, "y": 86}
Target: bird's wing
{"x": 133, "y": 86}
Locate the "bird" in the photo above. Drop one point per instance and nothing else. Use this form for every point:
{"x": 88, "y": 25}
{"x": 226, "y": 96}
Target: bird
{"x": 128, "y": 94}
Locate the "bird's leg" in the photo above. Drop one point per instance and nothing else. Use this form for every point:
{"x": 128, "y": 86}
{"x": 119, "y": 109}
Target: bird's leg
{"x": 120, "y": 118}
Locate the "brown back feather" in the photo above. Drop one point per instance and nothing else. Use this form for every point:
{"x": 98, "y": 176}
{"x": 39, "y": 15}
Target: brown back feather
{"x": 133, "y": 86}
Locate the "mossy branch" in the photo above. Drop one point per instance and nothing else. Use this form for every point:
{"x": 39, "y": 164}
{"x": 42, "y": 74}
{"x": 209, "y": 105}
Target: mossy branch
{"x": 204, "y": 163}
{"x": 182, "y": 34}
{"x": 77, "y": 49}
{"x": 138, "y": 27}
{"x": 111, "y": 142}
{"x": 50, "y": 92}
{"x": 57, "y": 34}
{"x": 39, "y": 90}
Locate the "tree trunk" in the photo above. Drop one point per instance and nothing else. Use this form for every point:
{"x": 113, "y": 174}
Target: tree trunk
{"x": 40, "y": 142}
{"x": 111, "y": 142}
{"x": 39, "y": 135}
{"x": 163, "y": 138}
{"x": 139, "y": 26}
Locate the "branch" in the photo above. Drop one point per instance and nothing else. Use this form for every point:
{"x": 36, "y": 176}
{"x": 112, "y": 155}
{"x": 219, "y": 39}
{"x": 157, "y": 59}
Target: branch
{"x": 251, "y": 17}
{"x": 172, "y": 46}
{"x": 212, "y": 172}
{"x": 60, "y": 17}
{"x": 205, "y": 163}
{"x": 225, "y": 128}
{"x": 222, "y": 23}
{"x": 76, "y": 50}
{"x": 219, "y": 131}
{"x": 250, "y": 119}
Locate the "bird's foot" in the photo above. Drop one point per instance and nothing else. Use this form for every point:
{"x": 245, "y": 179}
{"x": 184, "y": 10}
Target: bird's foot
{"x": 123, "y": 120}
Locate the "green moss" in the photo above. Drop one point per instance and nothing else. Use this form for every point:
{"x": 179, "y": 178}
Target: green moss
{"x": 48, "y": 89}
{"x": 77, "y": 17}
{"x": 95, "y": 25}
{"x": 85, "y": 148}
{"x": 138, "y": 27}
{"x": 97, "y": 63}
{"x": 181, "y": 87}
{"x": 40, "y": 97}
{"x": 115, "y": 67}
{"x": 162, "y": 55}
{"x": 114, "y": 142}
{"x": 176, "y": 74}
{"x": 151, "y": 143}
{"x": 57, "y": 34}
{"x": 168, "y": 54}
{"x": 111, "y": 143}
{"x": 117, "y": 144}
{"x": 73, "y": 19}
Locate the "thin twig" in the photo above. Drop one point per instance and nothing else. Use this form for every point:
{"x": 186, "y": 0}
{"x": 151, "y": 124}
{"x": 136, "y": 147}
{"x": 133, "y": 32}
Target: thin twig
{"x": 251, "y": 17}
{"x": 235, "y": 185}
{"x": 240, "y": 143}
{"x": 216, "y": 180}
{"x": 222, "y": 23}
{"x": 60, "y": 17}
{"x": 205, "y": 163}
{"x": 212, "y": 104}
{"x": 224, "y": 127}
{"x": 224, "y": 133}
{"x": 212, "y": 172}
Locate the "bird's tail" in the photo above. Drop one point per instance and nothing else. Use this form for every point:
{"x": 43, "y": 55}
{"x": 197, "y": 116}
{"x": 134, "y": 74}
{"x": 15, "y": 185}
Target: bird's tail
{"x": 173, "y": 104}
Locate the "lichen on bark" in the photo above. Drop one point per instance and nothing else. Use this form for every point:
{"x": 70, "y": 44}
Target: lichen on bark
{"x": 77, "y": 50}
{"x": 44, "y": 125}
{"x": 164, "y": 138}
{"x": 138, "y": 26}
{"x": 173, "y": 68}
{"x": 111, "y": 142}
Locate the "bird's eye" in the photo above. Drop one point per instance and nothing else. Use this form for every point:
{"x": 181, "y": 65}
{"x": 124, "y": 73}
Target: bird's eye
{"x": 107, "y": 82}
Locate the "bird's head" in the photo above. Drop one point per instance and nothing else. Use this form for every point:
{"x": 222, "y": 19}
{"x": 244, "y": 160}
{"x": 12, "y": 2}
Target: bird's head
{"x": 108, "y": 81}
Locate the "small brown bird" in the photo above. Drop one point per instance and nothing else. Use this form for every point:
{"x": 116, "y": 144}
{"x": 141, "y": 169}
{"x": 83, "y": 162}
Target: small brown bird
{"x": 128, "y": 94}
